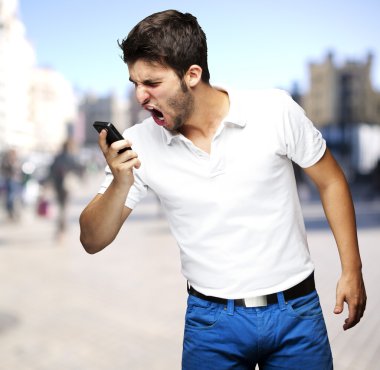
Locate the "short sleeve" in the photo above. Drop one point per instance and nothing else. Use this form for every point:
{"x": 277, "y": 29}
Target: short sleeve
{"x": 304, "y": 143}
{"x": 137, "y": 192}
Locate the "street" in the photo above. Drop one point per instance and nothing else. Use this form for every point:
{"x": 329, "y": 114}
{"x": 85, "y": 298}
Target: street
{"x": 123, "y": 308}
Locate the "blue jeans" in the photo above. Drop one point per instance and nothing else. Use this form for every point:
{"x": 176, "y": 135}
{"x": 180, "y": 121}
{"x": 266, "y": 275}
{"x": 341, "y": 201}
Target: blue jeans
{"x": 286, "y": 335}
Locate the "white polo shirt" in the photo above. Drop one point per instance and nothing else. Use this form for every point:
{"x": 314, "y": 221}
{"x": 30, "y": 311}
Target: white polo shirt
{"x": 235, "y": 213}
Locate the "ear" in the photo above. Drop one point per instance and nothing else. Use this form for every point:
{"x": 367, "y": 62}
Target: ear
{"x": 193, "y": 75}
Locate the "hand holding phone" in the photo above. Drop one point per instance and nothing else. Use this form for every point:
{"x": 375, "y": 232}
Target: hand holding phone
{"x": 112, "y": 133}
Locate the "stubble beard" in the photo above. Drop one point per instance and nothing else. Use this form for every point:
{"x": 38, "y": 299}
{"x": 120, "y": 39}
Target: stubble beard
{"x": 182, "y": 104}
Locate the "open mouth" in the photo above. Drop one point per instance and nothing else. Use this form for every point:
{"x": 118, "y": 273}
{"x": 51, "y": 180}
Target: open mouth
{"x": 157, "y": 116}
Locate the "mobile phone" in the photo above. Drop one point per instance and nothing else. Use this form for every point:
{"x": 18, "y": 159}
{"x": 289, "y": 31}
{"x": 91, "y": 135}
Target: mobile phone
{"x": 112, "y": 133}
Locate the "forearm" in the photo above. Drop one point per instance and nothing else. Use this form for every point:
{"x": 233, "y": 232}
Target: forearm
{"x": 102, "y": 219}
{"x": 340, "y": 213}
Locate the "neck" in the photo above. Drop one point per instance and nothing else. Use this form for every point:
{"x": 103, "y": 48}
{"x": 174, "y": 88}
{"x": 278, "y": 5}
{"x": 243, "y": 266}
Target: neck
{"x": 210, "y": 107}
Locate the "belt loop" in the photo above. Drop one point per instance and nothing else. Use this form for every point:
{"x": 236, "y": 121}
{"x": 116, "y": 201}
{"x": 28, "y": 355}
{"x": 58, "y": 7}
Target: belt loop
{"x": 281, "y": 301}
{"x": 230, "y": 307}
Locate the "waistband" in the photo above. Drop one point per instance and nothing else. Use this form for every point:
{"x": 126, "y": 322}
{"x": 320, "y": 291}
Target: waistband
{"x": 303, "y": 288}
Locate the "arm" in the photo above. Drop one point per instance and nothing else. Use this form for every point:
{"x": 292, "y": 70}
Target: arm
{"x": 103, "y": 217}
{"x": 339, "y": 209}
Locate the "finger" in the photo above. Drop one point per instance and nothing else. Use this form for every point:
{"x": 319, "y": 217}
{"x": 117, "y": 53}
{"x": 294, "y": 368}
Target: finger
{"x": 102, "y": 141}
{"x": 353, "y": 317}
{"x": 120, "y": 145}
{"x": 361, "y": 310}
{"x": 339, "y": 304}
{"x": 123, "y": 161}
{"x": 350, "y": 323}
{"x": 126, "y": 155}
{"x": 137, "y": 164}
{"x": 130, "y": 163}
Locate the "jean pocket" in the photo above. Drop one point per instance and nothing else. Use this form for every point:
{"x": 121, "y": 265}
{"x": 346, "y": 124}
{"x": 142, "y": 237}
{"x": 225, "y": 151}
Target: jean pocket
{"x": 201, "y": 314}
{"x": 306, "y": 307}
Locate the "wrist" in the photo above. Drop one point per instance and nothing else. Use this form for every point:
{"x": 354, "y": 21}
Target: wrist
{"x": 121, "y": 185}
{"x": 352, "y": 270}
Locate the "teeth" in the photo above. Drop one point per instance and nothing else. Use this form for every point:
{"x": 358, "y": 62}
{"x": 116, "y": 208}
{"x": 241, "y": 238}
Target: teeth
{"x": 161, "y": 118}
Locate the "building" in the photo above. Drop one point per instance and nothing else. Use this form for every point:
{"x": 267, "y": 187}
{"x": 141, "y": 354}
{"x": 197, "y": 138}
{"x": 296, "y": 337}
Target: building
{"x": 110, "y": 108}
{"x": 136, "y": 113}
{"x": 53, "y": 109}
{"x": 36, "y": 104}
{"x": 17, "y": 61}
{"x": 344, "y": 104}
{"x": 342, "y": 94}
{"x": 123, "y": 112}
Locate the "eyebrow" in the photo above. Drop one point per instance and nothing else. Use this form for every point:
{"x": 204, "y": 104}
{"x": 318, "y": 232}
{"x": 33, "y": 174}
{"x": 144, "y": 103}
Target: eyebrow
{"x": 146, "y": 82}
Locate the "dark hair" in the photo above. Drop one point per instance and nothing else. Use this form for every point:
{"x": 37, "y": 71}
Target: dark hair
{"x": 170, "y": 38}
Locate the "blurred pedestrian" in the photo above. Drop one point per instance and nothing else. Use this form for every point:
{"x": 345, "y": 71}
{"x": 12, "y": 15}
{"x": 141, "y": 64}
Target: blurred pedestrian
{"x": 376, "y": 180}
{"x": 220, "y": 160}
{"x": 12, "y": 176}
{"x": 63, "y": 167}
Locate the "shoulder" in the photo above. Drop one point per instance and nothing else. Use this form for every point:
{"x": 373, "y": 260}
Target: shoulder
{"x": 261, "y": 94}
{"x": 269, "y": 100}
{"x": 272, "y": 97}
{"x": 260, "y": 107}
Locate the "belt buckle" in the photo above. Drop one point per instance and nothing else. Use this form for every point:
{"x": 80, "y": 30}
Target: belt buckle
{"x": 259, "y": 301}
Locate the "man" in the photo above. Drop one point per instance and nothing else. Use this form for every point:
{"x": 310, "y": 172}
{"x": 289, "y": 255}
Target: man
{"x": 221, "y": 163}
{"x": 64, "y": 164}
{"x": 11, "y": 171}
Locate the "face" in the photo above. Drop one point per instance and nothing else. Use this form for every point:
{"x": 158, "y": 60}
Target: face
{"x": 162, "y": 93}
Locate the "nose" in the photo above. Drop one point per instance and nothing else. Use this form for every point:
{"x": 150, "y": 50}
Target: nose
{"x": 142, "y": 94}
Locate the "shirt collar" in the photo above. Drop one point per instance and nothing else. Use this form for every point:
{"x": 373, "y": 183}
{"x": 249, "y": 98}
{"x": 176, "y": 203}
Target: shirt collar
{"x": 233, "y": 118}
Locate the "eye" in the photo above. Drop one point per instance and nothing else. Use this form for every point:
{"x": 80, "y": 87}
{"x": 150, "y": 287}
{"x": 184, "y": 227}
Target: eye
{"x": 153, "y": 84}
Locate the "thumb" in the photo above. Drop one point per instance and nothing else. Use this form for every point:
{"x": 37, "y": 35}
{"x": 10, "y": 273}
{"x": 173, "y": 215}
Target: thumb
{"x": 339, "y": 305}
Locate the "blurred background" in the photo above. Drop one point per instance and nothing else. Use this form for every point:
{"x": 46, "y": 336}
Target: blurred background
{"x": 60, "y": 70}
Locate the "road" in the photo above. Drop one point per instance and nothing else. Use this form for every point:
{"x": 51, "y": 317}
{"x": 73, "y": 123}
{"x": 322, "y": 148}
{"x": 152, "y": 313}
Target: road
{"x": 62, "y": 309}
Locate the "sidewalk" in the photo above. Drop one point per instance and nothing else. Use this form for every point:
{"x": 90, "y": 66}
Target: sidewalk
{"x": 62, "y": 309}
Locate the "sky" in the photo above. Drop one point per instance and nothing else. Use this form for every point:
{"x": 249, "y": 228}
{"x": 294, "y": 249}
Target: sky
{"x": 251, "y": 44}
